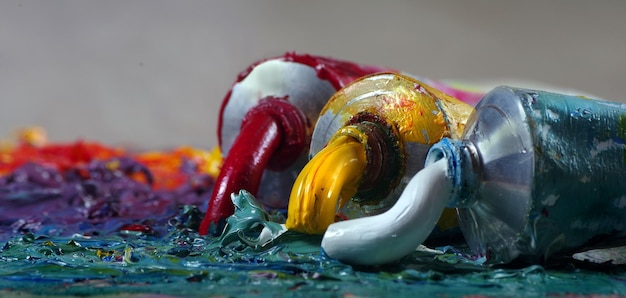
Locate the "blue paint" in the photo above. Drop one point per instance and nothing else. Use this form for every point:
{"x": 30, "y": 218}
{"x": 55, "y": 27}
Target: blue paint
{"x": 537, "y": 173}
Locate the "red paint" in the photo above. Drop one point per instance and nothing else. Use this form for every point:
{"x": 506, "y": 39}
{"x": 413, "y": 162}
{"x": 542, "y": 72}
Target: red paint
{"x": 58, "y": 156}
{"x": 272, "y": 137}
{"x": 337, "y": 72}
{"x": 163, "y": 170}
{"x": 137, "y": 228}
{"x": 273, "y": 134}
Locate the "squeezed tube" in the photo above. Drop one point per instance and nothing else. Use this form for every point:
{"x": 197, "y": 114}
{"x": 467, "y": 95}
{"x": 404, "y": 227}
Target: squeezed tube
{"x": 333, "y": 175}
{"x": 264, "y": 132}
{"x": 393, "y": 120}
{"x": 535, "y": 174}
{"x": 265, "y": 126}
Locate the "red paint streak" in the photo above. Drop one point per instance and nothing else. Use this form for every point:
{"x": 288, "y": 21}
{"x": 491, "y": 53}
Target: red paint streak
{"x": 337, "y": 72}
{"x": 273, "y": 135}
{"x": 58, "y": 156}
{"x": 165, "y": 167}
{"x": 137, "y": 228}
{"x": 273, "y": 139}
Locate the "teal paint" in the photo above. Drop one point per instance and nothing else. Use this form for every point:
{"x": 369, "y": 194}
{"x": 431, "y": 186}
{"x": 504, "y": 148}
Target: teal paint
{"x": 536, "y": 173}
{"x": 622, "y": 131}
{"x": 181, "y": 263}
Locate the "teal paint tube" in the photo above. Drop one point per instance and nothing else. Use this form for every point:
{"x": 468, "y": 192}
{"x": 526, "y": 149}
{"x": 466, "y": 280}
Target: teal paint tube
{"x": 537, "y": 173}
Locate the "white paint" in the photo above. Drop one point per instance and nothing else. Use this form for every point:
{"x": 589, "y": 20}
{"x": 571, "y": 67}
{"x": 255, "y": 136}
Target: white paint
{"x": 552, "y": 114}
{"x": 545, "y": 131}
{"x": 388, "y": 237}
{"x": 601, "y": 147}
{"x": 550, "y": 200}
{"x": 279, "y": 78}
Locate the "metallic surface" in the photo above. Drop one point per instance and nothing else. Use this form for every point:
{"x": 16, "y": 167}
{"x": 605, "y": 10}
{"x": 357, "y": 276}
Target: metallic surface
{"x": 417, "y": 116}
{"x": 537, "y": 173}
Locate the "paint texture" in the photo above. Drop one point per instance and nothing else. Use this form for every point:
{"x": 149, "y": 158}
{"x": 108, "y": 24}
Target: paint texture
{"x": 256, "y": 257}
{"x": 392, "y": 120}
{"x": 265, "y": 126}
{"x": 538, "y": 173}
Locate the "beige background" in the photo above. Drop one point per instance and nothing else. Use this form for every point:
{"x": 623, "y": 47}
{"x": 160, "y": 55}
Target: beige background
{"x": 153, "y": 73}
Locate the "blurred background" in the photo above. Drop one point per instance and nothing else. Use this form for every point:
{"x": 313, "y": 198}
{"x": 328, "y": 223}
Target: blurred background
{"x": 152, "y": 74}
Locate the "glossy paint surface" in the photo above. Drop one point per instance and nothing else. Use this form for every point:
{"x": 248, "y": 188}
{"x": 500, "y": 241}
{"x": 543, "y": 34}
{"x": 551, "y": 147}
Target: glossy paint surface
{"x": 412, "y": 116}
{"x": 306, "y": 82}
{"x": 142, "y": 242}
{"x": 538, "y": 173}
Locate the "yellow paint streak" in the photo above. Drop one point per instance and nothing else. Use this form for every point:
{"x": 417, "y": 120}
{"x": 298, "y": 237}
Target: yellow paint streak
{"x": 331, "y": 177}
{"x": 209, "y": 162}
{"x": 128, "y": 254}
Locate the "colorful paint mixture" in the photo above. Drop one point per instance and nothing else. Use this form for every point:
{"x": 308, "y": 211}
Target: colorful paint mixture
{"x": 87, "y": 188}
{"x": 86, "y": 219}
{"x": 265, "y": 126}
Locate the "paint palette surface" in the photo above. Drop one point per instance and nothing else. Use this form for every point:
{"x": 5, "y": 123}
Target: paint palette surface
{"x": 85, "y": 219}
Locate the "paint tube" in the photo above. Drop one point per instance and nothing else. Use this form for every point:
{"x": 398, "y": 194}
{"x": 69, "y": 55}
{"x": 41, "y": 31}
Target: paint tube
{"x": 370, "y": 138}
{"x": 265, "y": 127}
{"x": 535, "y": 173}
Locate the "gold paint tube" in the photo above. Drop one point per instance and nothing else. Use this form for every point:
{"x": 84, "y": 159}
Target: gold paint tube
{"x": 370, "y": 138}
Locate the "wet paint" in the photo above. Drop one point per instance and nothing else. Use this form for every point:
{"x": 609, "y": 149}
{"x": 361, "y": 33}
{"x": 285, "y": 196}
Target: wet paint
{"x": 171, "y": 259}
{"x": 88, "y": 188}
{"x": 265, "y": 126}
{"x": 387, "y": 122}
{"x": 535, "y": 174}
{"x": 334, "y": 175}
{"x": 388, "y": 237}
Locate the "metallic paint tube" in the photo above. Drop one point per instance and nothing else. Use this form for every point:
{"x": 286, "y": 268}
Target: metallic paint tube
{"x": 265, "y": 127}
{"x": 371, "y": 137}
{"x": 535, "y": 174}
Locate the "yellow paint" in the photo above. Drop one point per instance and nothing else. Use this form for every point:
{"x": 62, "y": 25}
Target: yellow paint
{"x": 103, "y": 254}
{"x": 214, "y": 162}
{"x": 34, "y": 135}
{"x": 128, "y": 253}
{"x": 113, "y": 165}
{"x": 332, "y": 176}
{"x": 419, "y": 113}
{"x": 209, "y": 162}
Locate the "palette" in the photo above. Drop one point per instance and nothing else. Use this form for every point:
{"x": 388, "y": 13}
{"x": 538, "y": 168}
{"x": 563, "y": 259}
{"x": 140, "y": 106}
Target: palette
{"x": 146, "y": 242}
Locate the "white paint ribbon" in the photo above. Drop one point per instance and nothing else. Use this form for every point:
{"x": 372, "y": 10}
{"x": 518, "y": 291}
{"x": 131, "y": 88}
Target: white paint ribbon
{"x": 389, "y": 236}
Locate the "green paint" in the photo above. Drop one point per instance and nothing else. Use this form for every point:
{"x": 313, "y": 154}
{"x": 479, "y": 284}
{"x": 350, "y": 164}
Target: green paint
{"x": 183, "y": 264}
